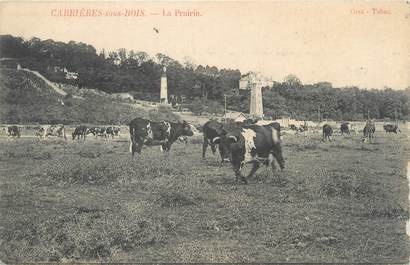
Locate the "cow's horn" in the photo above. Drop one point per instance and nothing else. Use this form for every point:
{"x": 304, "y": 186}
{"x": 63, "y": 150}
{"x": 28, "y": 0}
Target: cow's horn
{"x": 215, "y": 139}
{"x": 234, "y": 138}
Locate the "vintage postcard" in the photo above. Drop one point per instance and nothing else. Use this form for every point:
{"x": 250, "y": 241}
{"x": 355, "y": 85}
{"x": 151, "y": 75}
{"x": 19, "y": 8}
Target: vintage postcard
{"x": 204, "y": 132}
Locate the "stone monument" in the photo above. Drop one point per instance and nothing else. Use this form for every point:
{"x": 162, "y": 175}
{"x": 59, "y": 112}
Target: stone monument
{"x": 164, "y": 88}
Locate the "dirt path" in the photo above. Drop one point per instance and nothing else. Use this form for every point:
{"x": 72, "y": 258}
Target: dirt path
{"x": 48, "y": 82}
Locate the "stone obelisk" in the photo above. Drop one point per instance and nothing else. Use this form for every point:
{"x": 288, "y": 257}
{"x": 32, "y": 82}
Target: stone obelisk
{"x": 256, "y": 100}
{"x": 164, "y": 88}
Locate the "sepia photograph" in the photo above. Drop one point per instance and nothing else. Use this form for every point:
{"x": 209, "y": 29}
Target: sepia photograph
{"x": 204, "y": 132}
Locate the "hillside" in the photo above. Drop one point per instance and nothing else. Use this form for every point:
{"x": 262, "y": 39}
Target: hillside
{"x": 27, "y": 98}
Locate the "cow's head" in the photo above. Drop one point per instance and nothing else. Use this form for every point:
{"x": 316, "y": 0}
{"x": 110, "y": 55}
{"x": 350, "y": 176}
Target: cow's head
{"x": 223, "y": 148}
{"x": 229, "y": 144}
{"x": 186, "y": 128}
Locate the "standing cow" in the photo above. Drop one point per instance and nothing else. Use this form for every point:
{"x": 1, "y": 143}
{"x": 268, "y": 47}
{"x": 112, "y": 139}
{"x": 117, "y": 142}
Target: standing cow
{"x": 80, "y": 132}
{"x": 389, "y": 128}
{"x": 13, "y": 131}
{"x": 113, "y": 131}
{"x": 53, "y": 130}
{"x": 96, "y": 131}
{"x": 253, "y": 144}
{"x": 212, "y": 131}
{"x": 368, "y": 131}
{"x": 344, "y": 128}
{"x": 116, "y": 131}
{"x": 327, "y": 132}
{"x": 150, "y": 133}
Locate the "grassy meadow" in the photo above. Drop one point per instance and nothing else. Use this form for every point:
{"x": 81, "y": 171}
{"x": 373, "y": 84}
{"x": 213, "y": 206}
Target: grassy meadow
{"x": 71, "y": 201}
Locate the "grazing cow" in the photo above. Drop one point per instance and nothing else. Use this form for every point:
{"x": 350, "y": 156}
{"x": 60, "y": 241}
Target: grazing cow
{"x": 53, "y": 130}
{"x": 102, "y": 132}
{"x": 344, "y": 128}
{"x": 94, "y": 131}
{"x": 303, "y": 127}
{"x": 116, "y": 131}
{"x": 352, "y": 128}
{"x": 213, "y": 130}
{"x": 368, "y": 131}
{"x": 13, "y": 131}
{"x": 253, "y": 144}
{"x": 293, "y": 127}
{"x": 109, "y": 131}
{"x": 300, "y": 129}
{"x": 327, "y": 132}
{"x": 80, "y": 132}
{"x": 389, "y": 128}
{"x": 152, "y": 133}
{"x": 113, "y": 131}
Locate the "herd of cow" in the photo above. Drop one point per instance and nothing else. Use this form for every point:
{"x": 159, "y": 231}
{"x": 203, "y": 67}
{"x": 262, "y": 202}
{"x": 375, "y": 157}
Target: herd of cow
{"x": 80, "y": 132}
{"x": 238, "y": 143}
{"x": 368, "y": 130}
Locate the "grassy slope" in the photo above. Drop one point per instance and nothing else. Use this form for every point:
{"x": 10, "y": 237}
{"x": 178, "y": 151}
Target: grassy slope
{"x": 26, "y": 98}
{"x": 344, "y": 202}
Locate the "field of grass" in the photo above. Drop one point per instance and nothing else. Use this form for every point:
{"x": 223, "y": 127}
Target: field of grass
{"x": 73, "y": 201}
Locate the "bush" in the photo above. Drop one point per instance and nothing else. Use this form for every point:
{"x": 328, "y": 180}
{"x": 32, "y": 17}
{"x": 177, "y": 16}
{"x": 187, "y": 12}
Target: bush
{"x": 88, "y": 234}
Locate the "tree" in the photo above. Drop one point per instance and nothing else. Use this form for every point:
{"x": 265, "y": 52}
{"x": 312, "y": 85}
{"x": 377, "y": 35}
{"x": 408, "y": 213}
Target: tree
{"x": 197, "y": 107}
{"x": 292, "y": 81}
{"x": 122, "y": 55}
{"x": 213, "y": 107}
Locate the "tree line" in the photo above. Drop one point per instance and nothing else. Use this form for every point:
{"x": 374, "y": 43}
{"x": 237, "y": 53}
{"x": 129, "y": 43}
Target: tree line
{"x": 200, "y": 88}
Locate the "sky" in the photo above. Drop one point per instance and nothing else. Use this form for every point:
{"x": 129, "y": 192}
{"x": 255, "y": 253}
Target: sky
{"x": 347, "y": 43}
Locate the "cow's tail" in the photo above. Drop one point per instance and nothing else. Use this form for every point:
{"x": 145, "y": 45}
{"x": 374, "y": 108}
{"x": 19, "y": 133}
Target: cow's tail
{"x": 131, "y": 138}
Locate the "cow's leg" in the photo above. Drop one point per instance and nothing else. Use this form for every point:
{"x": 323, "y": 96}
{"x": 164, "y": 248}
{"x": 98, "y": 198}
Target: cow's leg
{"x": 165, "y": 148}
{"x": 204, "y": 146}
{"x": 239, "y": 175}
{"x": 237, "y": 169}
{"x": 132, "y": 145}
{"x": 134, "y": 148}
{"x": 277, "y": 153}
{"x": 138, "y": 146}
{"x": 255, "y": 166}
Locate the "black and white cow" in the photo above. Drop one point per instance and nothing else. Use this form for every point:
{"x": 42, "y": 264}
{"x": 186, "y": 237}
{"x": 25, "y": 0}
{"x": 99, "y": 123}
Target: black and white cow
{"x": 293, "y": 127}
{"x": 212, "y": 131}
{"x": 253, "y": 144}
{"x": 389, "y": 128}
{"x": 116, "y": 131}
{"x": 150, "y": 133}
{"x": 368, "y": 131}
{"x": 51, "y": 130}
{"x": 80, "y": 132}
{"x": 113, "y": 131}
{"x": 327, "y": 132}
{"x": 13, "y": 131}
{"x": 96, "y": 131}
{"x": 301, "y": 129}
